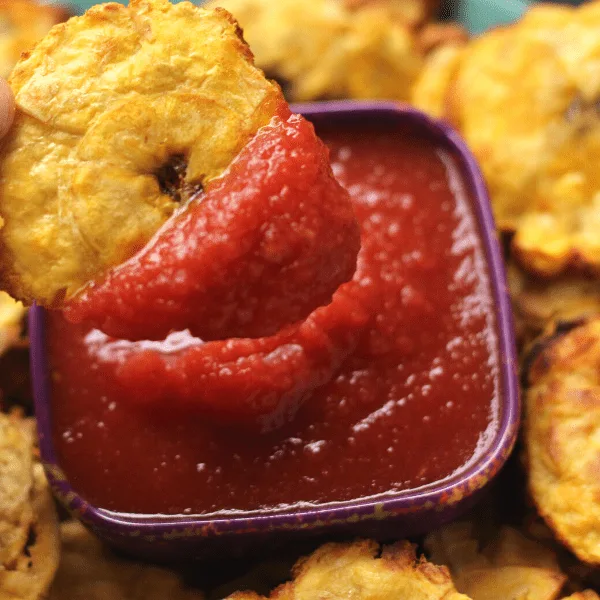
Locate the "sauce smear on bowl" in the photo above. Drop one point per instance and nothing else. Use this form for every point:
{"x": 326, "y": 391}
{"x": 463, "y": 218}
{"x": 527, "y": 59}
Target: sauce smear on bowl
{"x": 412, "y": 398}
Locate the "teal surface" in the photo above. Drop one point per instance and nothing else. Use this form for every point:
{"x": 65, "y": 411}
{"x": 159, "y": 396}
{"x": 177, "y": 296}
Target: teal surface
{"x": 81, "y": 5}
{"x": 479, "y": 15}
{"x": 476, "y": 15}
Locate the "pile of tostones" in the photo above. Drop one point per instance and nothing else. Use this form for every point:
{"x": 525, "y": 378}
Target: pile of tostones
{"x": 330, "y": 49}
{"x": 525, "y": 97}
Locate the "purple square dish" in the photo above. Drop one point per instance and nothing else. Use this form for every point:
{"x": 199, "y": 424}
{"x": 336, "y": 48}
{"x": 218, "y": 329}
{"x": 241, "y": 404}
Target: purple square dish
{"x": 391, "y": 515}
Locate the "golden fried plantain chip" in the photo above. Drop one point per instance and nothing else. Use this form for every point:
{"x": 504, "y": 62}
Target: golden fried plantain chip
{"x": 411, "y": 12}
{"x": 336, "y": 48}
{"x": 580, "y": 575}
{"x": 29, "y": 544}
{"x": 437, "y": 35}
{"x": 343, "y": 571}
{"x": 508, "y": 566}
{"x": 511, "y": 548}
{"x": 517, "y": 583}
{"x": 526, "y": 98}
{"x": 88, "y": 570}
{"x": 106, "y": 102}
{"x": 11, "y": 322}
{"x": 460, "y": 545}
{"x": 16, "y": 464}
{"x": 430, "y": 89}
{"x": 455, "y": 545}
{"x": 584, "y": 595}
{"x": 562, "y": 435}
{"x": 22, "y": 24}
{"x": 538, "y": 302}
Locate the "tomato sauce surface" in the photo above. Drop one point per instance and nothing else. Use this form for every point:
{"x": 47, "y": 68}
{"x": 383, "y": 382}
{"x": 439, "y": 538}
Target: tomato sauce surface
{"x": 413, "y": 402}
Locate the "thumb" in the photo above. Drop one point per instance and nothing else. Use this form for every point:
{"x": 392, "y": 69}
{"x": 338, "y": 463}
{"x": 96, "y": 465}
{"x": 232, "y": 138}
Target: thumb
{"x": 7, "y": 107}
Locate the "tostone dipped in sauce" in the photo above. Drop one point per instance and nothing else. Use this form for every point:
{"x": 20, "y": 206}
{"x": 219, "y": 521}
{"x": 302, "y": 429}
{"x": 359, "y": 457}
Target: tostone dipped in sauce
{"x": 405, "y": 395}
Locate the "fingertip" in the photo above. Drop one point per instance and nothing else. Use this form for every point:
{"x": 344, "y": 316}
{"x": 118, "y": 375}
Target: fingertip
{"x": 7, "y": 107}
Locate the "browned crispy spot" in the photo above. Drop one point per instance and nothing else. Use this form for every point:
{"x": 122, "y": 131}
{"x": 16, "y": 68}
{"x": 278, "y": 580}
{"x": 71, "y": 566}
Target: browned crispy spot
{"x": 562, "y": 435}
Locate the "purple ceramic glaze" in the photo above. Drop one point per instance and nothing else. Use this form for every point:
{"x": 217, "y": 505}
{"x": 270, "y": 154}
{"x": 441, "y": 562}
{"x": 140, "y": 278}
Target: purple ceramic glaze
{"x": 408, "y": 512}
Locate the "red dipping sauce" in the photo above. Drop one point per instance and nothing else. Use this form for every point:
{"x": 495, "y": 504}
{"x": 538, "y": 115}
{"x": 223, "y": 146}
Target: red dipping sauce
{"x": 415, "y": 401}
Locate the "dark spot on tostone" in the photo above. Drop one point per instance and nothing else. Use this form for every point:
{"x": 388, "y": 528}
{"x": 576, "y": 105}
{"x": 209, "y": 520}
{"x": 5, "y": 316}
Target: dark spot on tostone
{"x": 583, "y": 115}
{"x": 31, "y": 539}
{"x": 171, "y": 179}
